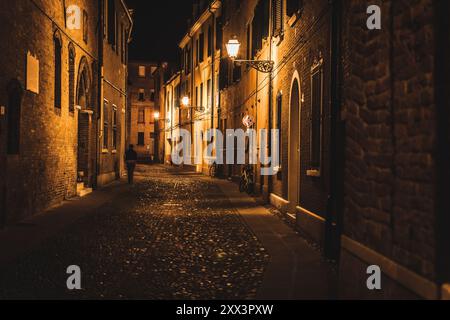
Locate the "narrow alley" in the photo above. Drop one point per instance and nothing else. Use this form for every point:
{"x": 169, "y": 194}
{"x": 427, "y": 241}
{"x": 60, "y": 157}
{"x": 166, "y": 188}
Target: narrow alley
{"x": 166, "y": 237}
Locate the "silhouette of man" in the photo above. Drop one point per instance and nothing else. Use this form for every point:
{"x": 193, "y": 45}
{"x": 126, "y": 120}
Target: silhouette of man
{"x": 131, "y": 159}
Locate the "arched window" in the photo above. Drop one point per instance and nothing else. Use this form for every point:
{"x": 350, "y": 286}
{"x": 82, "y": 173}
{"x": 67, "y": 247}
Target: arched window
{"x": 15, "y": 93}
{"x": 83, "y": 90}
{"x": 57, "y": 43}
{"x": 71, "y": 78}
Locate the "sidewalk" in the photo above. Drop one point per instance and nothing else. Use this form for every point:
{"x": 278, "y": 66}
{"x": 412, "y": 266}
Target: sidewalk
{"x": 20, "y": 238}
{"x": 296, "y": 271}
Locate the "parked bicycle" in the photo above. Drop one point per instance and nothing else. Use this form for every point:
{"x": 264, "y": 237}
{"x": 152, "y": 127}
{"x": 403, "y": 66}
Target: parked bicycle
{"x": 215, "y": 170}
{"x": 247, "y": 182}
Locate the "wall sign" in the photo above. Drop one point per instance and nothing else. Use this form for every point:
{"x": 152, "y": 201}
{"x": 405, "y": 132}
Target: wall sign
{"x": 248, "y": 121}
{"x": 73, "y": 17}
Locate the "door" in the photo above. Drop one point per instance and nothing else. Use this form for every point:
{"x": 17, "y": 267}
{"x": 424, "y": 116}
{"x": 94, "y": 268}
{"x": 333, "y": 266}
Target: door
{"x": 294, "y": 148}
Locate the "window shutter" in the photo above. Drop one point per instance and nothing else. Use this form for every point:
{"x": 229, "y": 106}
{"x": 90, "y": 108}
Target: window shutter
{"x": 277, "y": 17}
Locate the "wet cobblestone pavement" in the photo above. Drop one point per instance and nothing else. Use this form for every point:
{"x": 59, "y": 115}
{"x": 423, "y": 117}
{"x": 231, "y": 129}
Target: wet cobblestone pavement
{"x": 170, "y": 236}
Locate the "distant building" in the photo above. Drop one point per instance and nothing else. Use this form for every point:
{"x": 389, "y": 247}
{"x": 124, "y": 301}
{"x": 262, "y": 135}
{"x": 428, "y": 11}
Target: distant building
{"x": 143, "y": 108}
{"x": 172, "y": 115}
{"x": 62, "y": 100}
{"x": 199, "y": 77}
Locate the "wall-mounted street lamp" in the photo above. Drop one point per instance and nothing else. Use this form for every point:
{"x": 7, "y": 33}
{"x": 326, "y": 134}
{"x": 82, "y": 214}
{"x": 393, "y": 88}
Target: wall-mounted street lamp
{"x": 186, "y": 103}
{"x": 156, "y": 115}
{"x": 233, "y": 46}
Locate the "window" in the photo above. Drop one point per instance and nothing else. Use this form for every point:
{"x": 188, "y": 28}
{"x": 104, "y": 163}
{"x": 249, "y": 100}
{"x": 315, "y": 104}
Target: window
{"x": 124, "y": 43}
{"x": 260, "y": 25}
{"x": 237, "y": 71}
{"x": 279, "y": 123}
{"x": 85, "y": 26}
{"x": 316, "y": 116}
{"x": 114, "y": 127}
{"x": 15, "y": 93}
{"x": 197, "y": 52}
{"x": 223, "y": 74}
{"x": 142, "y": 71}
{"x": 201, "y": 95}
{"x": 112, "y": 22}
{"x": 57, "y": 70}
{"x": 219, "y": 34}
{"x": 187, "y": 60}
{"x": 209, "y": 93}
{"x": 152, "y": 95}
{"x": 71, "y": 78}
{"x": 141, "y": 139}
{"x": 196, "y": 97}
{"x": 249, "y": 42}
{"x": 210, "y": 42}
{"x": 293, "y": 7}
{"x": 201, "y": 47}
{"x": 277, "y": 17}
{"x": 141, "y": 115}
{"x": 141, "y": 96}
{"x": 177, "y": 96}
{"x": 105, "y": 125}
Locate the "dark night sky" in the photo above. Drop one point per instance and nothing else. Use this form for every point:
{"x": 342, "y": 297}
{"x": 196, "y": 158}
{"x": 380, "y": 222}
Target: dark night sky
{"x": 158, "y": 27}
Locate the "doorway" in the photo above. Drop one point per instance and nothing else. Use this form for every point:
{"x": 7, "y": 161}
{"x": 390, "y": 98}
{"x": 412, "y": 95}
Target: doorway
{"x": 294, "y": 148}
{"x": 84, "y": 150}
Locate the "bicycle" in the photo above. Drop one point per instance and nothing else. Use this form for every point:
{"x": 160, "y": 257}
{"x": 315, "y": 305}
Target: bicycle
{"x": 247, "y": 182}
{"x": 215, "y": 170}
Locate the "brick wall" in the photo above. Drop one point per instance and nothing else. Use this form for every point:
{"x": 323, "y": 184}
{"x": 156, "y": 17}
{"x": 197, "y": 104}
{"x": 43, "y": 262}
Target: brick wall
{"x": 302, "y": 43}
{"x": 44, "y": 173}
{"x": 389, "y": 111}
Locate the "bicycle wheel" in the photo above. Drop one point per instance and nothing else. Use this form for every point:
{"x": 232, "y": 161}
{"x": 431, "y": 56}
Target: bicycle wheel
{"x": 212, "y": 171}
{"x": 242, "y": 185}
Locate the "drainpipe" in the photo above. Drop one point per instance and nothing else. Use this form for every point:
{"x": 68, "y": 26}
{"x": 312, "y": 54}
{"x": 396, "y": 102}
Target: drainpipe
{"x": 100, "y": 90}
{"x": 442, "y": 151}
{"x": 335, "y": 198}
{"x": 270, "y": 114}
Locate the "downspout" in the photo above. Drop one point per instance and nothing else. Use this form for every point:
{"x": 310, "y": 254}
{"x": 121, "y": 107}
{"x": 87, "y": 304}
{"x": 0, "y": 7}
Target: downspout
{"x": 270, "y": 114}
{"x": 335, "y": 198}
{"x": 442, "y": 151}
{"x": 101, "y": 6}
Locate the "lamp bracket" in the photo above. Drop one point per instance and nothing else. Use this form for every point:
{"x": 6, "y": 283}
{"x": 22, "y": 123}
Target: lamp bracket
{"x": 265, "y": 66}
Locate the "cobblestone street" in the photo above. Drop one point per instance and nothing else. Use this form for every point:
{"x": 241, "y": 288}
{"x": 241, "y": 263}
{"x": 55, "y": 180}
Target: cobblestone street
{"x": 172, "y": 235}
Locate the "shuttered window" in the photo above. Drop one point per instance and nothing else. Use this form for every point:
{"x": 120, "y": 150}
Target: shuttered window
{"x": 277, "y": 17}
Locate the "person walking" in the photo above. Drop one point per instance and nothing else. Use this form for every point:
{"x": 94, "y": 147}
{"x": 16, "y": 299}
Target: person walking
{"x": 130, "y": 160}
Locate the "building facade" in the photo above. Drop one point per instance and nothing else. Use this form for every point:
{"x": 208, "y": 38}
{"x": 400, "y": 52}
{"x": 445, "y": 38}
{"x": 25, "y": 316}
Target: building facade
{"x": 172, "y": 116}
{"x": 143, "y": 109}
{"x": 363, "y": 123}
{"x": 52, "y": 91}
{"x": 199, "y": 77}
